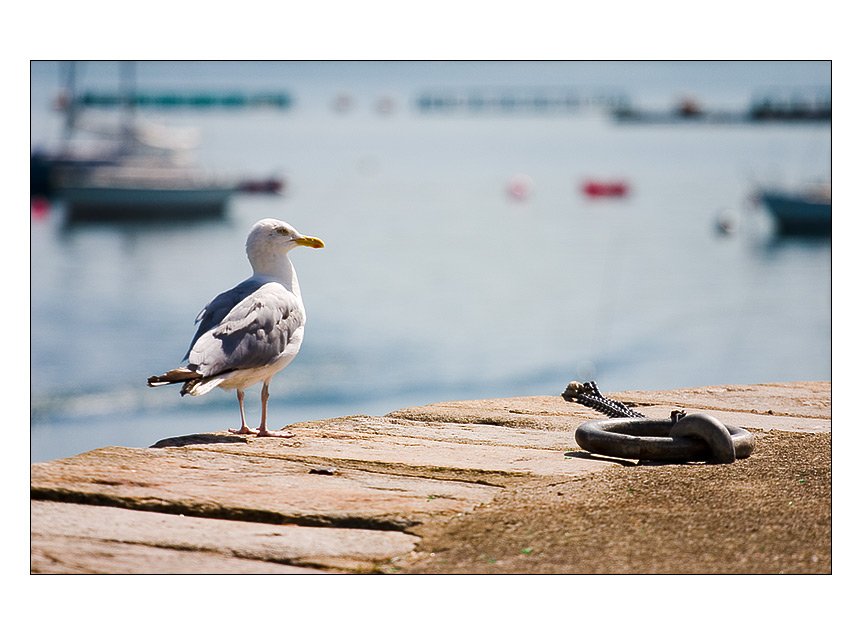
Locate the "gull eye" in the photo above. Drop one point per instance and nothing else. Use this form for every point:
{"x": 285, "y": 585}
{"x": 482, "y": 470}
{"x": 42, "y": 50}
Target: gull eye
{"x": 283, "y": 231}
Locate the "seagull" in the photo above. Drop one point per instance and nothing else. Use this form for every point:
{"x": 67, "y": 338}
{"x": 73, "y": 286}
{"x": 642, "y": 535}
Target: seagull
{"x": 249, "y": 333}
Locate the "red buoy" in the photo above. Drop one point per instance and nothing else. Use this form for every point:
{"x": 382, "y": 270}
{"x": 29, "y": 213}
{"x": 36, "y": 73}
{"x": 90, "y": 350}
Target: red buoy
{"x": 595, "y": 188}
{"x": 39, "y": 207}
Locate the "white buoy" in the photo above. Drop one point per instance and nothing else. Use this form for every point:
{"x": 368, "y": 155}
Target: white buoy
{"x": 727, "y": 221}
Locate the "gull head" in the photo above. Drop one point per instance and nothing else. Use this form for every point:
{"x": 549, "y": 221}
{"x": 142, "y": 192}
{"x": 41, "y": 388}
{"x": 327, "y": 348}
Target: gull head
{"x": 268, "y": 244}
{"x": 277, "y": 237}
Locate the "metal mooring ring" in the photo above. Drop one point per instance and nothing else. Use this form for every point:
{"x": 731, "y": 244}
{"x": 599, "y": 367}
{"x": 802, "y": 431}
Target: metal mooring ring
{"x": 694, "y": 437}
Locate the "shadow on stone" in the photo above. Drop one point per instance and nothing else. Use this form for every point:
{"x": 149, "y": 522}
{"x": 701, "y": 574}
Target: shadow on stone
{"x": 580, "y": 454}
{"x": 199, "y": 439}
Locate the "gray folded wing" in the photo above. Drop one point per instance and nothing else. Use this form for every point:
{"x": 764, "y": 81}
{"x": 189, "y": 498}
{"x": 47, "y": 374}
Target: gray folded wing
{"x": 248, "y": 326}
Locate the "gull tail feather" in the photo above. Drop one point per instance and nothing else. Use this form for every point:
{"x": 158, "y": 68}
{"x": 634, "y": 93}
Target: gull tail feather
{"x": 190, "y": 379}
{"x": 174, "y": 377}
{"x": 193, "y": 382}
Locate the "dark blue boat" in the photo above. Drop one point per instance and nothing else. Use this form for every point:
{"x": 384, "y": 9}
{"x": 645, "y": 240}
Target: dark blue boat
{"x": 800, "y": 213}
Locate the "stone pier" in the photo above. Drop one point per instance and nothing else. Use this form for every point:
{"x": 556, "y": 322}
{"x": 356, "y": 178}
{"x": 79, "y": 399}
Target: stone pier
{"x": 487, "y": 486}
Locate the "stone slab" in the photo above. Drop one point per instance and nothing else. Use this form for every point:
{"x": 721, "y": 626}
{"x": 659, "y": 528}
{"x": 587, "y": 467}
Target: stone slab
{"x": 793, "y": 407}
{"x": 751, "y": 421}
{"x": 168, "y": 543}
{"x": 807, "y": 399}
{"x": 542, "y": 413}
{"x": 211, "y": 481}
{"x": 50, "y": 554}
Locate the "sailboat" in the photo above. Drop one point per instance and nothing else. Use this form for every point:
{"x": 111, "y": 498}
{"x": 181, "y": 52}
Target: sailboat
{"x": 133, "y": 169}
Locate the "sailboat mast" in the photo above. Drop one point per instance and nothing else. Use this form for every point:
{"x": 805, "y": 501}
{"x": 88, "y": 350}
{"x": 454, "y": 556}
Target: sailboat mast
{"x": 128, "y": 83}
{"x": 68, "y": 100}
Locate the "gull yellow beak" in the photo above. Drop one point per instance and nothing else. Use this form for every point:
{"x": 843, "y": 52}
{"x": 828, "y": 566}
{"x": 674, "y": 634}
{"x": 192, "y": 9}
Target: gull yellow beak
{"x": 310, "y": 241}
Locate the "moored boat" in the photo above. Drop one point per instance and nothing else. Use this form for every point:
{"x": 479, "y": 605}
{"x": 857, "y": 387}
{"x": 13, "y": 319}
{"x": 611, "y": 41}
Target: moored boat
{"x": 131, "y": 169}
{"x": 803, "y": 212}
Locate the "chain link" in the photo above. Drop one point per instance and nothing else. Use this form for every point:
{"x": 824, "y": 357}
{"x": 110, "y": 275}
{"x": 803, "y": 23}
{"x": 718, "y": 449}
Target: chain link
{"x": 588, "y": 394}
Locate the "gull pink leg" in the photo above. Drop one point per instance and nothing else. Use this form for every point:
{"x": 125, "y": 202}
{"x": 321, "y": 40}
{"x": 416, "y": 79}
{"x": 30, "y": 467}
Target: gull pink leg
{"x": 240, "y": 395}
{"x": 262, "y": 431}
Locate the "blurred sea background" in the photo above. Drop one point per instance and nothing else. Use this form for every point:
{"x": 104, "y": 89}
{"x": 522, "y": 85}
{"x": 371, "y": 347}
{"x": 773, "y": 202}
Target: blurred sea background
{"x": 463, "y": 259}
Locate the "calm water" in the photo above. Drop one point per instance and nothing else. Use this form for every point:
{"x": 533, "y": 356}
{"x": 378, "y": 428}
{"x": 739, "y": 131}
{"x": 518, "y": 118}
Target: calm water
{"x": 435, "y": 284}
